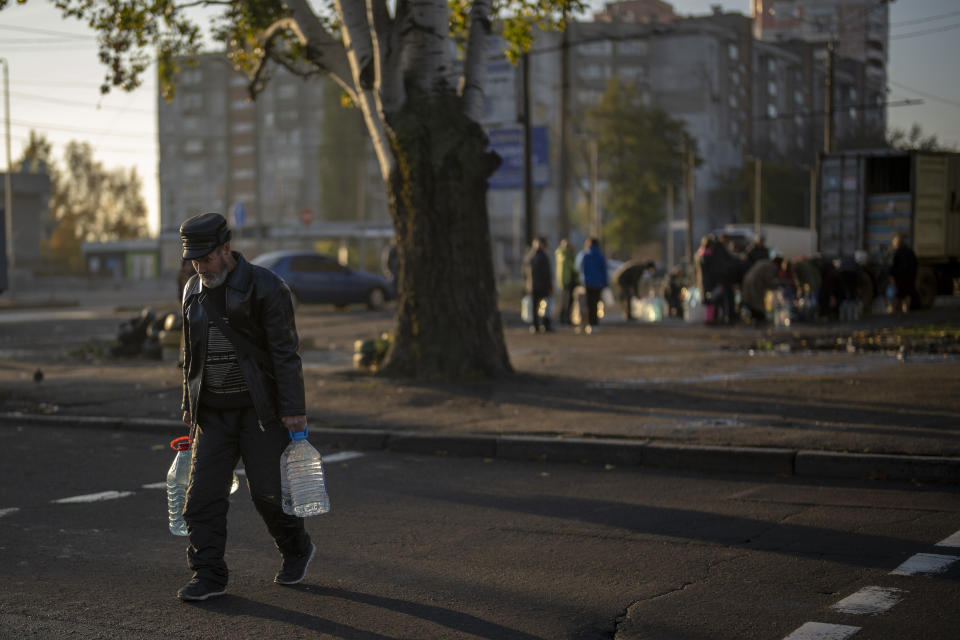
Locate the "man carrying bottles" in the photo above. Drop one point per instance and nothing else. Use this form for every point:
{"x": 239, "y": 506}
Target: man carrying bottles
{"x": 242, "y": 397}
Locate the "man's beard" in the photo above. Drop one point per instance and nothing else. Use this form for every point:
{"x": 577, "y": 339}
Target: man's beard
{"x": 212, "y": 282}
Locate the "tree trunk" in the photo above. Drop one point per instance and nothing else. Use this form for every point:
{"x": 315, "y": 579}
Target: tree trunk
{"x": 448, "y": 323}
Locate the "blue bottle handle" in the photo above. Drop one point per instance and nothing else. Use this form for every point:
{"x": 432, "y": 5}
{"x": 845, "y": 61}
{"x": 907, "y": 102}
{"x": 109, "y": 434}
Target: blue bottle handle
{"x": 300, "y": 435}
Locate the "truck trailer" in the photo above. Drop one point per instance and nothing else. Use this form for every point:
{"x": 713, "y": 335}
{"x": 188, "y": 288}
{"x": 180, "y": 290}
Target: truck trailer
{"x": 867, "y": 197}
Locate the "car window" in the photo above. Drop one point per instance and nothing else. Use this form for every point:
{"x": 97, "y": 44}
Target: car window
{"x": 315, "y": 264}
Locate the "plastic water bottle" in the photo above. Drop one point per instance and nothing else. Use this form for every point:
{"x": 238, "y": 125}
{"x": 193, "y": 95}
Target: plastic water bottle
{"x": 303, "y": 492}
{"x": 177, "y": 477}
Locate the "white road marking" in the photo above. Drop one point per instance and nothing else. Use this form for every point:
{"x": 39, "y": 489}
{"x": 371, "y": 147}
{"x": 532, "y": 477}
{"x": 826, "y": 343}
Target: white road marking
{"x": 8, "y": 511}
{"x": 870, "y": 600}
{"x": 93, "y": 497}
{"x": 343, "y": 456}
{"x": 924, "y": 563}
{"x": 154, "y": 485}
{"x": 950, "y": 541}
{"x": 822, "y": 631}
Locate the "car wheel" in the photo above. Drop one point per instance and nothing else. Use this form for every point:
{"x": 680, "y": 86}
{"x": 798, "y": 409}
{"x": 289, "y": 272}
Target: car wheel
{"x": 376, "y": 298}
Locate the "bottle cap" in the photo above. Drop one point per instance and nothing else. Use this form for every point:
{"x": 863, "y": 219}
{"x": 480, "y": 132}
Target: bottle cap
{"x": 181, "y": 444}
{"x": 300, "y": 435}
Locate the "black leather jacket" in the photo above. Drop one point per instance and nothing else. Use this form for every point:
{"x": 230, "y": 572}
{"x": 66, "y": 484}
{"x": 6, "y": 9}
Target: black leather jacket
{"x": 260, "y": 309}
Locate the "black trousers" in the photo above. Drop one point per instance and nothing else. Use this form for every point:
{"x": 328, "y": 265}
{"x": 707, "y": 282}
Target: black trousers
{"x": 593, "y": 301}
{"x": 222, "y": 438}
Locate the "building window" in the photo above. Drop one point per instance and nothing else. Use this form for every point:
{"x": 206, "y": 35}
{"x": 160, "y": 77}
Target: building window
{"x": 734, "y": 128}
{"x": 241, "y": 127}
{"x": 238, "y": 81}
{"x": 772, "y": 88}
{"x": 771, "y": 111}
{"x": 735, "y": 77}
{"x": 192, "y": 101}
{"x": 733, "y": 50}
{"x": 602, "y": 48}
{"x": 733, "y": 101}
{"x": 191, "y": 76}
{"x": 242, "y": 174}
{"x": 243, "y": 150}
{"x": 632, "y": 48}
{"x": 193, "y": 146}
{"x": 798, "y": 96}
{"x": 287, "y": 91}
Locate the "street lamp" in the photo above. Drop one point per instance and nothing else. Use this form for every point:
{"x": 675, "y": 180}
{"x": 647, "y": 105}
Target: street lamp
{"x": 7, "y": 188}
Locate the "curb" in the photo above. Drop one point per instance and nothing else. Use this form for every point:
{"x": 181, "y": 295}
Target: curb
{"x": 624, "y": 452}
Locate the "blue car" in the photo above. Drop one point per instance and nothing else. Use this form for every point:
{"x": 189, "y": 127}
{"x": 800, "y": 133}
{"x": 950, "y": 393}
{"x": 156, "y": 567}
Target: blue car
{"x": 318, "y": 278}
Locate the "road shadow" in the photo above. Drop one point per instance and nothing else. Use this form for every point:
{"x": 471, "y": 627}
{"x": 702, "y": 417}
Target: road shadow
{"x": 456, "y": 620}
{"x": 806, "y": 541}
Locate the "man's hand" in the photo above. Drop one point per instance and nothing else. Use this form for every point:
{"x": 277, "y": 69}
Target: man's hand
{"x": 295, "y": 424}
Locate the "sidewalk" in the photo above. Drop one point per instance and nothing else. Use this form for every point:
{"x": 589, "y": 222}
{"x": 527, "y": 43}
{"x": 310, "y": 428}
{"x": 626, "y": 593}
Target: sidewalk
{"x": 665, "y": 395}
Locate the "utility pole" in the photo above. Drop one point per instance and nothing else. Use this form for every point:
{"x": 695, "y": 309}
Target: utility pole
{"x": 7, "y": 182}
{"x": 563, "y": 213}
{"x": 757, "y": 194}
{"x": 829, "y": 135}
{"x": 688, "y": 177}
{"x": 670, "y": 249}
{"x": 529, "y": 215}
{"x": 596, "y": 225}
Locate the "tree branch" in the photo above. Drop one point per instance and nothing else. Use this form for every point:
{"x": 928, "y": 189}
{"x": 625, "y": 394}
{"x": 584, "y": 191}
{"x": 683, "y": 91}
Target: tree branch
{"x": 475, "y": 64}
{"x": 359, "y": 48}
{"x": 323, "y": 50}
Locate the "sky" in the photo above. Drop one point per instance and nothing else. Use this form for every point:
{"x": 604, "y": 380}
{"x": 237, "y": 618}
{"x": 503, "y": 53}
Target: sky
{"x": 55, "y": 75}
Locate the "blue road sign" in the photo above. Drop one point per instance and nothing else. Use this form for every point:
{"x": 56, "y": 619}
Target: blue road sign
{"x": 508, "y": 143}
{"x": 238, "y": 213}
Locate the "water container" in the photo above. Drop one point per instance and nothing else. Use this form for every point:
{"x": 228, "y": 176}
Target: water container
{"x": 302, "y": 487}
{"x": 177, "y": 477}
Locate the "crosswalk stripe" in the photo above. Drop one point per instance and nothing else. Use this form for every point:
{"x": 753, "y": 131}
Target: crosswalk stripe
{"x": 870, "y": 600}
{"x": 924, "y": 563}
{"x": 950, "y": 541}
{"x": 93, "y": 497}
{"x": 154, "y": 485}
{"x": 8, "y": 511}
{"x": 343, "y": 456}
{"x": 822, "y": 631}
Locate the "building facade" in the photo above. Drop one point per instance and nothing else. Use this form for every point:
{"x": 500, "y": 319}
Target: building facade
{"x": 259, "y": 162}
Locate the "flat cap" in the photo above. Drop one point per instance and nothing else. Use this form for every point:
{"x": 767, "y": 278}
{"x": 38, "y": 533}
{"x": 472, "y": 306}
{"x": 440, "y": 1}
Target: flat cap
{"x": 202, "y": 234}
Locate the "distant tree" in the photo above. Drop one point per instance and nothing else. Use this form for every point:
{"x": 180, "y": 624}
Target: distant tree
{"x": 914, "y": 138}
{"x": 640, "y": 152}
{"x": 784, "y": 194}
{"x": 87, "y": 202}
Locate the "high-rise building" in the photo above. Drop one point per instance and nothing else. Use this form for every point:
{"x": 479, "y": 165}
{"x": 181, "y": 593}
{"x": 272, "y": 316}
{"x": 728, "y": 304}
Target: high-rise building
{"x": 859, "y": 28}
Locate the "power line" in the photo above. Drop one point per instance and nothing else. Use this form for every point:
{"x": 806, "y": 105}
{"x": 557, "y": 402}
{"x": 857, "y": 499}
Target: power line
{"x": 96, "y": 132}
{"x": 47, "y": 32}
{"x": 904, "y": 23}
{"x": 925, "y": 32}
{"x": 36, "y": 98}
{"x": 932, "y": 96}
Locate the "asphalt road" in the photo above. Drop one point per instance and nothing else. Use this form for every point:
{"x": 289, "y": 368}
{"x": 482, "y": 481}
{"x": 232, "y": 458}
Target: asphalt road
{"x": 421, "y": 547}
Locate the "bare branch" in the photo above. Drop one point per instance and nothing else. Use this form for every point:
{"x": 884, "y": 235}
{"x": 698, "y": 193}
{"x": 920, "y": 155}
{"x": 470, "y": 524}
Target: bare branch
{"x": 202, "y": 3}
{"x": 323, "y": 50}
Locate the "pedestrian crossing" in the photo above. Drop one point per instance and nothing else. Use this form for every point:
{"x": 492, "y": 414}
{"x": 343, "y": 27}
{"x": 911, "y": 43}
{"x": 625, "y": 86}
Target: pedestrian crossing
{"x": 875, "y": 600}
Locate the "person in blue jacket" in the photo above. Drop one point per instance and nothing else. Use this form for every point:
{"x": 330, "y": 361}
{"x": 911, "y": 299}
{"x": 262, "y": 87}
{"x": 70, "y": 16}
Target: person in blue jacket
{"x": 593, "y": 268}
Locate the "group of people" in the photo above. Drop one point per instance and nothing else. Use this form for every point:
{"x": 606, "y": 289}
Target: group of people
{"x": 588, "y": 270}
{"x": 807, "y": 287}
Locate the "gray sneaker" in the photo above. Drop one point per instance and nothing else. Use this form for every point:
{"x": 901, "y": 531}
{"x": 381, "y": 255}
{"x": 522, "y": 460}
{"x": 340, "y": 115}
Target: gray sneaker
{"x": 199, "y": 589}
{"x": 294, "y": 569}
